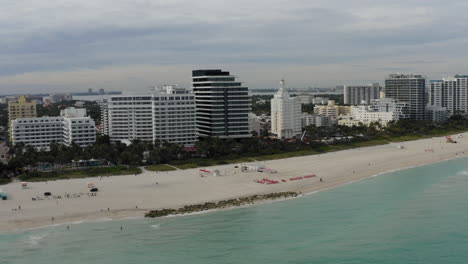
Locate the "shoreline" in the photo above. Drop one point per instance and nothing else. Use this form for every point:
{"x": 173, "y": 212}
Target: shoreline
{"x": 176, "y": 187}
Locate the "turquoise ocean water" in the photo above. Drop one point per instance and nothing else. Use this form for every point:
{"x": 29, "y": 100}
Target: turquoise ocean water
{"x": 418, "y": 215}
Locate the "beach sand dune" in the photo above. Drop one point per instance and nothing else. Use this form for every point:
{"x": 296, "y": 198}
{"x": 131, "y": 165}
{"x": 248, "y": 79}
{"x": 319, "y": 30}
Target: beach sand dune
{"x": 127, "y": 196}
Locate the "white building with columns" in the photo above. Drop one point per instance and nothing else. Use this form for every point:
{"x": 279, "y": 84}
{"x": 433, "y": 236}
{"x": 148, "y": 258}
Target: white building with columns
{"x": 286, "y": 115}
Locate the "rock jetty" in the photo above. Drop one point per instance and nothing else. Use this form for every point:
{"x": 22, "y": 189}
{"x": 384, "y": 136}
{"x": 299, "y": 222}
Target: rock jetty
{"x": 221, "y": 204}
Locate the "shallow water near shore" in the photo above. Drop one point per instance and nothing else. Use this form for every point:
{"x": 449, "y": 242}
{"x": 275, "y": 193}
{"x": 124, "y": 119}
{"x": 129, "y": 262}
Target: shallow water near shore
{"x": 419, "y": 215}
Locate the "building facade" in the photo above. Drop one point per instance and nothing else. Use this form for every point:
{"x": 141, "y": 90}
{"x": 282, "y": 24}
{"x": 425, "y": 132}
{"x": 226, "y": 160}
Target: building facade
{"x": 254, "y": 123}
{"x": 317, "y": 120}
{"x": 381, "y": 111}
{"x": 411, "y": 89}
{"x": 332, "y": 110}
{"x": 167, "y": 115}
{"x": 450, "y": 93}
{"x": 356, "y": 95}
{"x": 222, "y": 104}
{"x": 21, "y": 107}
{"x": 72, "y": 126}
{"x": 285, "y": 114}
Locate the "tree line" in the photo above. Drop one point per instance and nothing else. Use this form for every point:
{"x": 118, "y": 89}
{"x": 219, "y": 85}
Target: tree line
{"x": 140, "y": 153}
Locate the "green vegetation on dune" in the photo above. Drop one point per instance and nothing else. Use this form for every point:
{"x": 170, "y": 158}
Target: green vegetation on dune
{"x": 93, "y": 172}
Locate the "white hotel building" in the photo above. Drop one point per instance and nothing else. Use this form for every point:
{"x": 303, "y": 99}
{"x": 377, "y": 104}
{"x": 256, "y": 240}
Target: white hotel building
{"x": 286, "y": 114}
{"x": 166, "y": 115}
{"x": 72, "y": 126}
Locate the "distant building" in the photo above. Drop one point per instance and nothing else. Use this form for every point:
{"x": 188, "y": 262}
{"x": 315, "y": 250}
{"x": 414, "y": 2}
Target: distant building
{"x": 450, "y": 93}
{"x": 332, "y": 110}
{"x": 306, "y": 98}
{"x": 317, "y": 120}
{"x": 104, "y": 105}
{"x": 356, "y": 95}
{"x": 21, "y": 108}
{"x": 101, "y": 91}
{"x": 90, "y": 91}
{"x": 437, "y": 114}
{"x": 72, "y": 126}
{"x": 254, "y": 123}
{"x": 166, "y": 115}
{"x": 408, "y": 88}
{"x": 285, "y": 114}
{"x": 223, "y": 104}
{"x": 320, "y": 100}
{"x": 56, "y": 98}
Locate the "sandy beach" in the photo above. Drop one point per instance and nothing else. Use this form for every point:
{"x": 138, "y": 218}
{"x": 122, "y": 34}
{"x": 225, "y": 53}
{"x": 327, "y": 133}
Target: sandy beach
{"x": 131, "y": 196}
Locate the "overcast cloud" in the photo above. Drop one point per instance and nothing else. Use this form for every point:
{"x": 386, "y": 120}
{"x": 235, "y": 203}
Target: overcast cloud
{"x": 70, "y": 45}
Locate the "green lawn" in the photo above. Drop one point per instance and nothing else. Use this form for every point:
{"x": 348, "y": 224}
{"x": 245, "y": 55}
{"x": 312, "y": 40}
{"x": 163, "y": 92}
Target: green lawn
{"x": 93, "y": 172}
{"x": 160, "y": 167}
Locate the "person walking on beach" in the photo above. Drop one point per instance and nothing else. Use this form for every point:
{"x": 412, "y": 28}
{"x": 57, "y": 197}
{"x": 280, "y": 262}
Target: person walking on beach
{"x": 321, "y": 180}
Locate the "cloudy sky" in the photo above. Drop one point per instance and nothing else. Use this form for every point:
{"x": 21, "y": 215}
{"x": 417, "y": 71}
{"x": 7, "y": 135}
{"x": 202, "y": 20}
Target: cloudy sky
{"x": 73, "y": 45}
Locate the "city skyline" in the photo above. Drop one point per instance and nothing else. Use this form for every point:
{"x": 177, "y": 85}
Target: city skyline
{"x": 130, "y": 45}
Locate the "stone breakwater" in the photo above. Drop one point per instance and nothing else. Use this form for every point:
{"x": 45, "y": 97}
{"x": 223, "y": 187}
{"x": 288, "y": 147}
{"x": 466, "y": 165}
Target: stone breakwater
{"x": 221, "y": 204}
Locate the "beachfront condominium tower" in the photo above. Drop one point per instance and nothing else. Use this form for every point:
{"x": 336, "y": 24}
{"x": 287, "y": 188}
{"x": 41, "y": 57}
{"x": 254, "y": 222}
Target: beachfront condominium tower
{"x": 450, "y": 93}
{"x": 409, "y": 88}
{"x": 222, "y": 104}
{"x": 165, "y": 115}
{"x": 356, "y": 95}
{"x": 286, "y": 114}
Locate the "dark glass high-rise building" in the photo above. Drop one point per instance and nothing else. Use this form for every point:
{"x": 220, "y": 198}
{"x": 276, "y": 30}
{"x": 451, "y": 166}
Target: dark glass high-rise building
{"x": 222, "y": 104}
{"x": 411, "y": 89}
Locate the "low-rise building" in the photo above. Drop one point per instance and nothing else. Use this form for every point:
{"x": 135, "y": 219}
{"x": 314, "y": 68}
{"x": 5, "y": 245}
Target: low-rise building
{"x": 317, "y": 120}
{"x": 254, "y": 123}
{"x": 437, "y": 114}
{"x": 381, "y": 110}
{"x": 72, "y": 126}
{"x": 332, "y": 110}
{"x": 320, "y": 100}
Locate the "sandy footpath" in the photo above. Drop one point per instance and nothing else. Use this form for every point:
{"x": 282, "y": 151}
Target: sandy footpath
{"x": 127, "y": 196}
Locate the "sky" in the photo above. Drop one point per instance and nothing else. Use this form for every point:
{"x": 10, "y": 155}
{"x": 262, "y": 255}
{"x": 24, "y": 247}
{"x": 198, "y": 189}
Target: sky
{"x": 129, "y": 45}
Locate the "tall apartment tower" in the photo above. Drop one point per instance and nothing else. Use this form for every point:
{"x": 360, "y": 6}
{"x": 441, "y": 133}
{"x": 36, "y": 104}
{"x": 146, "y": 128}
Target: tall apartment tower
{"x": 450, "y": 93}
{"x": 166, "y": 115}
{"x": 408, "y": 88}
{"x": 222, "y": 104}
{"x": 356, "y": 95}
{"x": 286, "y": 114}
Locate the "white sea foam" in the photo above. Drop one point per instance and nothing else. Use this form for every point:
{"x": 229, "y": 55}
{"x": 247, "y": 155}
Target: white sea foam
{"x": 36, "y": 239}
